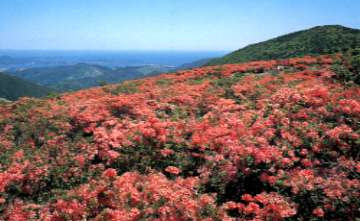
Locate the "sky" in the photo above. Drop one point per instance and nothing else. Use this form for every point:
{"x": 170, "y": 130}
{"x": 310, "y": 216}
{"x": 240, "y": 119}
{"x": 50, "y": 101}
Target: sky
{"x": 189, "y": 25}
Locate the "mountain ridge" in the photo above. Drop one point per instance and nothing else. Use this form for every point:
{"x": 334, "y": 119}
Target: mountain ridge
{"x": 318, "y": 40}
{"x": 82, "y": 75}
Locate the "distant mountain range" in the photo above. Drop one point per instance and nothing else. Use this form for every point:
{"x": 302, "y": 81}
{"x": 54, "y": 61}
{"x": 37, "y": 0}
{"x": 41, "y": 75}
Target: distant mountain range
{"x": 319, "y": 40}
{"x": 78, "y": 76}
{"x": 11, "y": 88}
{"x": 5, "y": 60}
{"x": 18, "y": 59}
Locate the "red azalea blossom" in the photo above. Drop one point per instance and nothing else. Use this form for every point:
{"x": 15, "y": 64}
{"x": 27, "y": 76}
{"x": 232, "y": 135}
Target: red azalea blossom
{"x": 255, "y": 141}
{"x": 318, "y": 212}
{"x": 110, "y": 173}
{"x": 173, "y": 170}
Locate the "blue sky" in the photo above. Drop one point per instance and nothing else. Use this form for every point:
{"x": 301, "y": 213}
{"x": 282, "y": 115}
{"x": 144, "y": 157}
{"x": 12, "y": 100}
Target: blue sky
{"x": 162, "y": 24}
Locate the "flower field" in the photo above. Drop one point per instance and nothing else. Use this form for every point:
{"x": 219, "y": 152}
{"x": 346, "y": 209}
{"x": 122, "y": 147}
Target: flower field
{"x": 264, "y": 140}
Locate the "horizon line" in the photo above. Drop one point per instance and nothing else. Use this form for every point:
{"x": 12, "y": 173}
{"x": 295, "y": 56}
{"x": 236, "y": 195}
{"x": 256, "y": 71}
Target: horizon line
{"x": 122, "y": 50}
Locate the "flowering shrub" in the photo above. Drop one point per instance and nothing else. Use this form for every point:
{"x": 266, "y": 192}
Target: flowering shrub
{"x": 264, "y": 140}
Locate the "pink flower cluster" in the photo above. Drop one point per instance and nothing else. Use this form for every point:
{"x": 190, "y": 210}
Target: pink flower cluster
{"x": 248, "y": 141}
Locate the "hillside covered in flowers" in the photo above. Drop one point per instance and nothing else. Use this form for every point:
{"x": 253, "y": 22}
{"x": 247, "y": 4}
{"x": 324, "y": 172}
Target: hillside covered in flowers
{"x": 265, "y": 140}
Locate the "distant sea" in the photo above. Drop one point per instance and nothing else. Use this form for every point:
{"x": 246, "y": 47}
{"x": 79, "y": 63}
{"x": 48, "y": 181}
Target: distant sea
{"x": 43, "y": 58}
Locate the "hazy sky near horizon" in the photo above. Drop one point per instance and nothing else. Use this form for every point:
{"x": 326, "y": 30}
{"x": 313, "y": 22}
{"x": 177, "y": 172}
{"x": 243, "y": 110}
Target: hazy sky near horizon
{"x": 162, "y": 24}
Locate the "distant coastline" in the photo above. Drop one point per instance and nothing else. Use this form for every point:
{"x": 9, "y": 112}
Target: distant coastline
{"x": 36, "y": 58}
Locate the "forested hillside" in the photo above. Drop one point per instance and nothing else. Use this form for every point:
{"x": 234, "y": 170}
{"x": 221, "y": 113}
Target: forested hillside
{"x": 12, "y": 88}
{"x": 315, "y": 41}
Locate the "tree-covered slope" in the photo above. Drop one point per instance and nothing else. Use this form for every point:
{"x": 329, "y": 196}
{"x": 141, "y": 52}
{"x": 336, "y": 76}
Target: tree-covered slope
{"x": 12, "y": 88}
{"x": 315, "y": 41}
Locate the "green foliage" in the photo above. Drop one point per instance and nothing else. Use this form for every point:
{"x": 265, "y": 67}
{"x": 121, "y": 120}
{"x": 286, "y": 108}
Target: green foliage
{"x": 103, "y": 83}
{"x": 53, "y": 95}
{"x": 163, "y": 82}
{"x": 129, "y": 87}
{"x": 227, "y": 83}
{"x": 348, "y": 70}
{"x": 355, "y": 61}
{"x": 315, "y": 41}
{"x": 148, "y": 157}
{"x": 342, "y": 73}
{"x": 232, "y": 189}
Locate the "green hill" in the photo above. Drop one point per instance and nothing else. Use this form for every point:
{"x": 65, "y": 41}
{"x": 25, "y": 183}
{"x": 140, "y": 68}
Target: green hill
{"x": 11, "y": 88}
{"x": 315, "y": 41}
